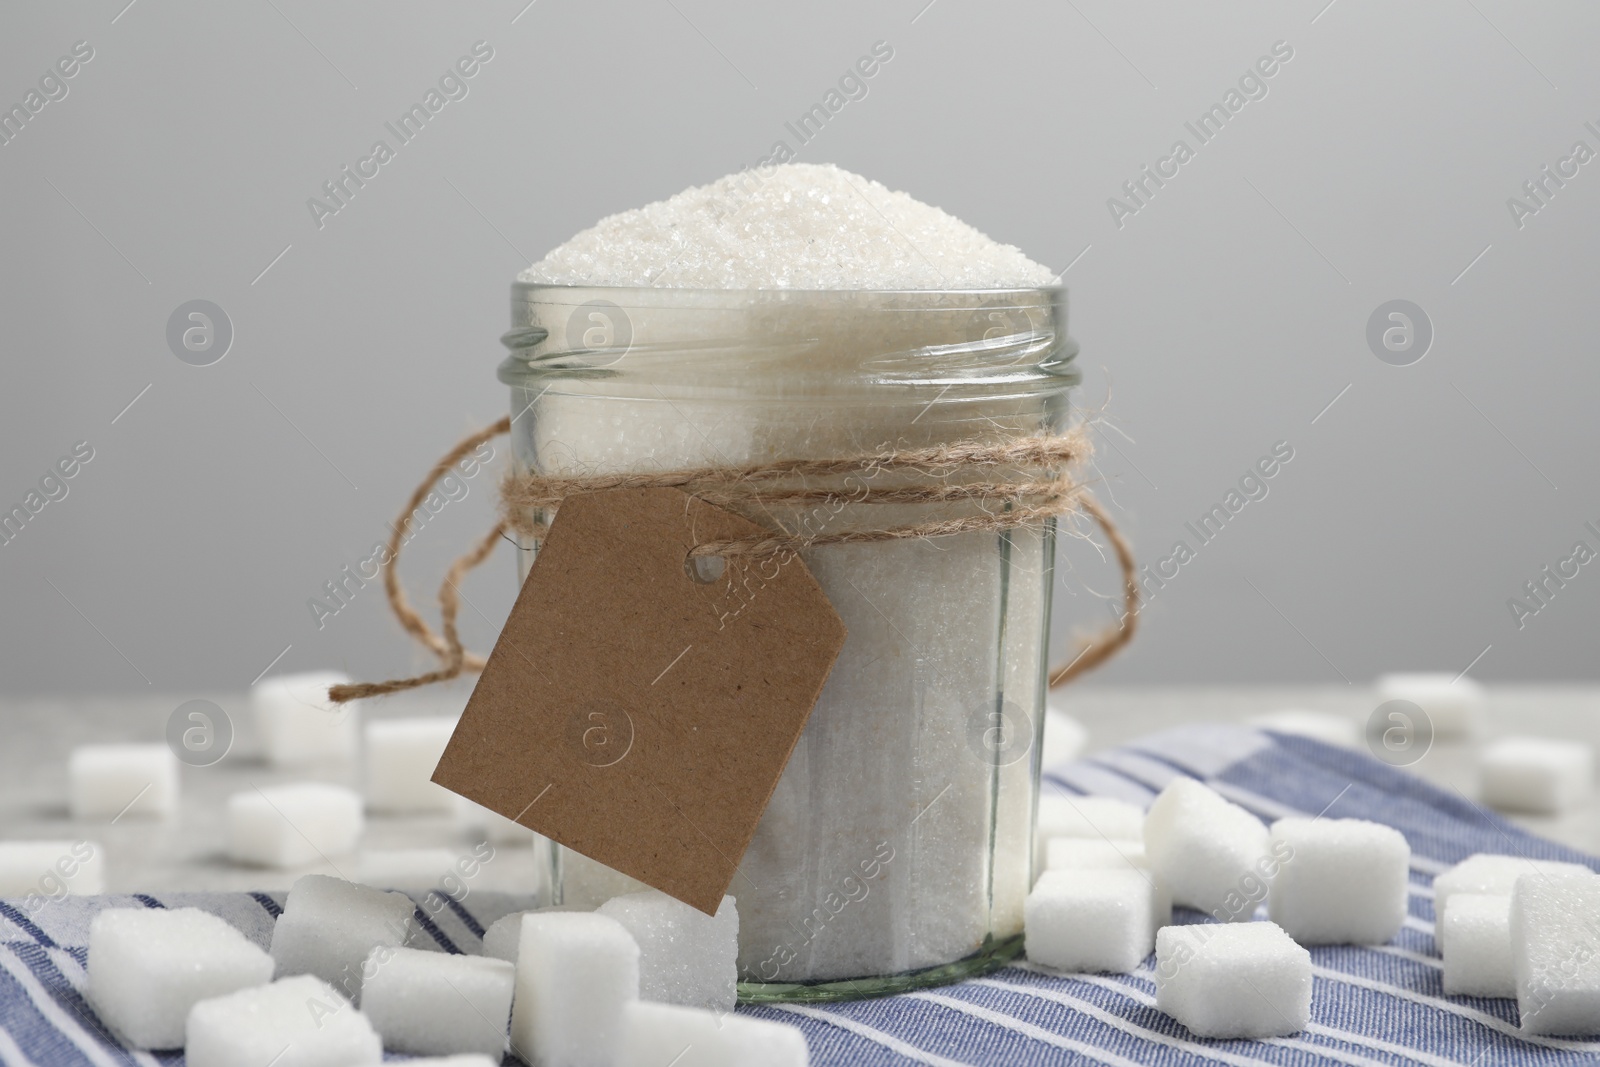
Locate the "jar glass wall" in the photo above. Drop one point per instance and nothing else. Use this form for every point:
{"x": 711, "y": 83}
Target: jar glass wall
{"x": 895, "y": 851}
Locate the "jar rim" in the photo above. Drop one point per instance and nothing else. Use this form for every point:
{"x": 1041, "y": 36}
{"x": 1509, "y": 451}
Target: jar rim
{"x": 967, "y": 342}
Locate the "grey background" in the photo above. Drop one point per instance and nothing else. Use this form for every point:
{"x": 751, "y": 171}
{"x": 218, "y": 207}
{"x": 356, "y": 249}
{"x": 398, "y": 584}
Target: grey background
{"x": 1222, "y": 318}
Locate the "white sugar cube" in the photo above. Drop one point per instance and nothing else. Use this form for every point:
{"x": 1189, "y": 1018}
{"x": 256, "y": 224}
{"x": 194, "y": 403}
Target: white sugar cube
{"x": 587, "y": 883}
{"x": 1093, "y": 817}
{"x": 1064, "y": 737}
{"x": 1475, "y": 940}
{"x": 1090, "y": 920}
{"x": 654, "y": 1033}
{"x": 1535, "y": 774}
{"x": 1233, "y": 980}
{"x": 42, "y": 869}
{"x": 149, "y": 966}
{"x": 1555, "y": 924}
{"x": 1492, "y": 875}
{"x": 575, "y": 973}
{"x": 1322, "y": 726}
{"x": 406, "y": 868}
{"x": 1339, "y": 881}
{"x": 298, "y": 724}
{"x": 685, "y": 956}
{"x": 1083, "y": 853}
{"x": 401, "y": 756}
{"x": 294, "y": 1022}
{"x": 1098, "y": 818}
{"x": 1453, "y": 704}
{"x": 432, "y": 1003}
{"x": 112, "y": 781}
{"x": 504, "y": 936}
{"x": 329, "y": 925}
{"x": 1077, "y": 853}
{"x": 293, "y": 825}
{"x": 1212, "y": 854}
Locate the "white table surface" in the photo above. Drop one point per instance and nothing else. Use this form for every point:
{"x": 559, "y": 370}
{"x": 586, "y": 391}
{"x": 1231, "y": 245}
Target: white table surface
{"x": 187, "y": 851}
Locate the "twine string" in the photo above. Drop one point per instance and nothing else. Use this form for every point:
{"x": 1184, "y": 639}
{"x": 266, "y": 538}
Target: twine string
{"x": 1003, "y": 505}
{"x": 410, "y": 620}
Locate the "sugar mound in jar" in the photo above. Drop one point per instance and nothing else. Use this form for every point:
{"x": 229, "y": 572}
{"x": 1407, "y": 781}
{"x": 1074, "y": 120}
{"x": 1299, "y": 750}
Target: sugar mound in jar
{"x": 790, "y": 226}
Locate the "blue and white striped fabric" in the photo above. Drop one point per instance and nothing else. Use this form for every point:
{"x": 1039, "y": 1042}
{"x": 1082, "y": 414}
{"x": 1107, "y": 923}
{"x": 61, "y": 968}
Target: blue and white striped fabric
{"x": 1370, "y": 1006}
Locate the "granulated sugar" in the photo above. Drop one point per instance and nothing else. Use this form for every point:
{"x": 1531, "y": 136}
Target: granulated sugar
{"x": 791, "y": 226}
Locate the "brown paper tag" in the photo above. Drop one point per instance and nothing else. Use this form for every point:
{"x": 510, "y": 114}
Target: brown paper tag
{"x": 632, "y": 710}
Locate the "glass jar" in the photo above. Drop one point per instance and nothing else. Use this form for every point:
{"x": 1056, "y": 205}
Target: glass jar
{"x": 896, "y": 850}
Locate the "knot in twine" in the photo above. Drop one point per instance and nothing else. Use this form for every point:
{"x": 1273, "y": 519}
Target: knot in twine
{"x": 1029, "y": 481}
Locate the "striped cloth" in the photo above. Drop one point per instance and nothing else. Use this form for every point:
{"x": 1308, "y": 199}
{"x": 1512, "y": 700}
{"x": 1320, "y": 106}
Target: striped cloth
{"x": 1370, "y": 1006}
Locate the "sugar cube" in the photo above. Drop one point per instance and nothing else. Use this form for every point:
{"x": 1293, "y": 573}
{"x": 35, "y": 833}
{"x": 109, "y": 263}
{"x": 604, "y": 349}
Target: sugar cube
{"x": 1064, "y": 737}
{"x": 293, "y": 825}
{"x": 1090, "y": 919}
{"x": 652, "y": 1034}
{"x": 1083, "y": 853}
{"x": 298, "y": 724}
{"x": 1076, "y": 853}
{"x": 1453, "y": 704}
{"x": 1094, "y": 817}
{"x": 1492, "y": 875}
{"x": 1098, "y": 818}
{"x": 45, "y": 869}
{"x": 329, "y": 925}
{"x": 1322, "y": 726}
{"x": 1212, "y": 854}
{"x": 1535, "y": 774}
{"x": 587, "y": 883}
{"x": 405, "y": 868}
{"x": 1233, "y": 980}
{"x": 432, "y": 1003}
{"x": 504, "y": 936}
{"x": 685, "y": 956}
{"x": 401, "y": 756}
{"x": 575, "y": 973}
{"x": 110, "y": 781}
{"x": 1555, "y": 952}
{"x": 1339, "y": 881}
{"x": 293, "y": 1022}
{"x": 1475, "y": 940}
{"x": 149, "y": 966}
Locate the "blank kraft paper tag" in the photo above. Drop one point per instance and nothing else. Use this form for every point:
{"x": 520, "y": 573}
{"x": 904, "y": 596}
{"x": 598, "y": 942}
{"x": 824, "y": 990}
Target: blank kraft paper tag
{"x": 635, "y": 711}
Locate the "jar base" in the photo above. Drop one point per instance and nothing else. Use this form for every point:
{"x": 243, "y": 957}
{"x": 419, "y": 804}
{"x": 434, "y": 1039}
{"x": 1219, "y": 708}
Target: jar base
{"x": 994, "y": 955}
